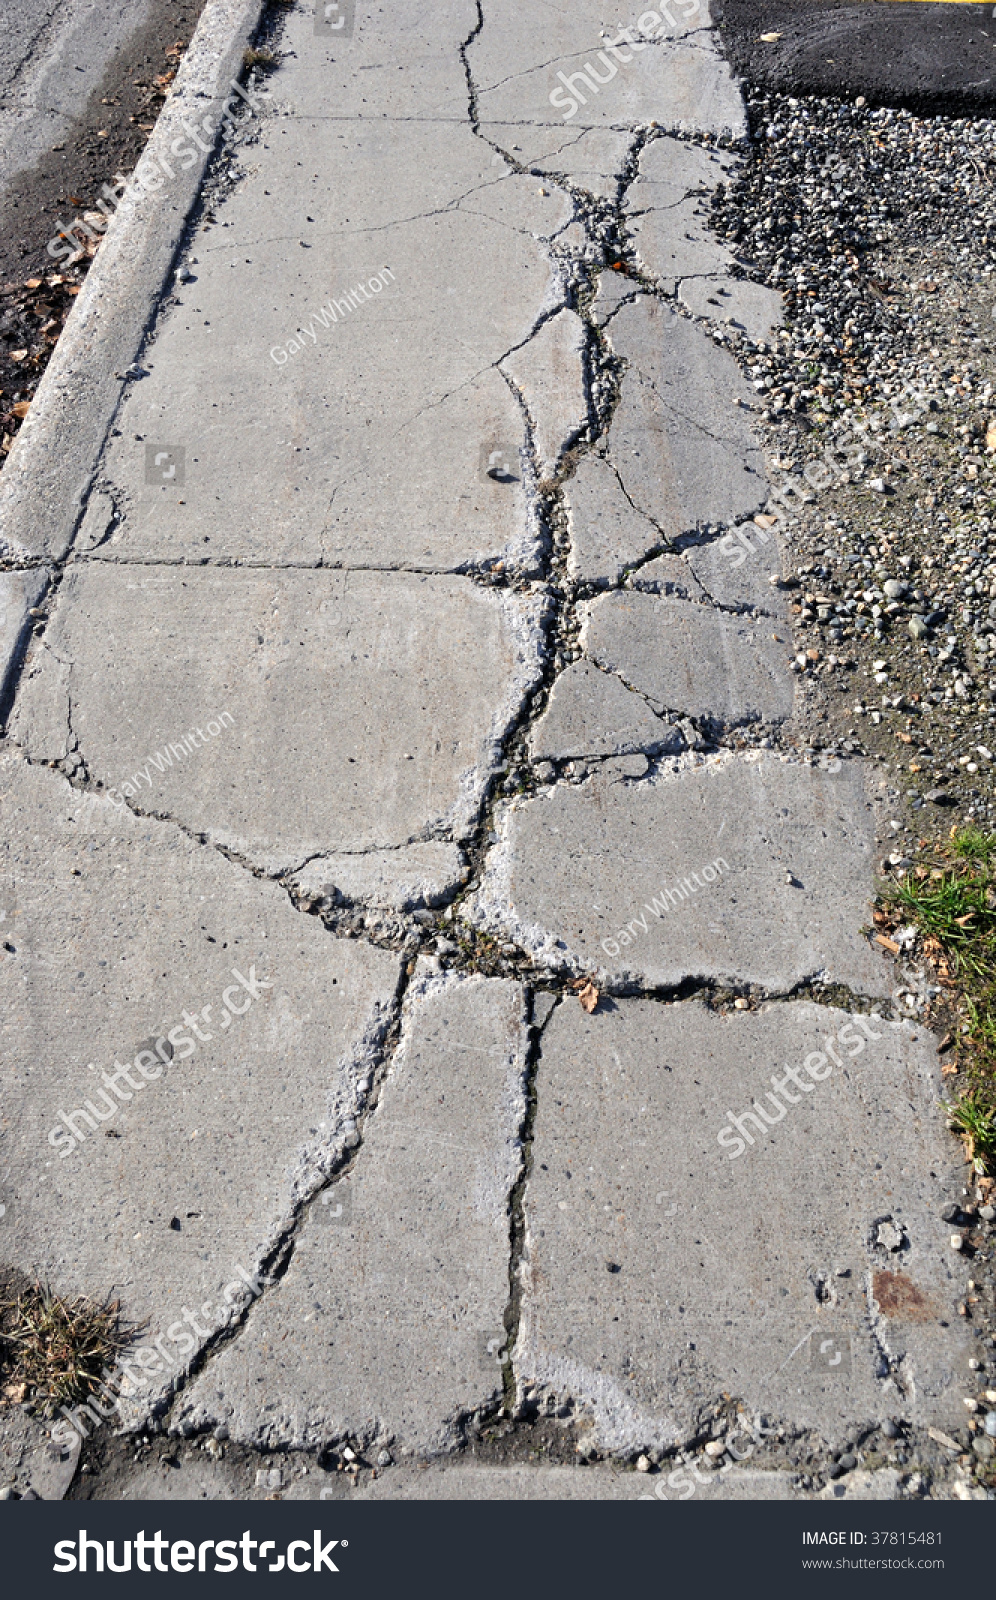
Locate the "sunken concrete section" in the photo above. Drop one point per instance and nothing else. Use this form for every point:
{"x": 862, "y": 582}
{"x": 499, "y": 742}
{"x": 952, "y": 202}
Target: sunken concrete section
{"x": 641, "y": 1303}
{"x": 692, "y": 658}
{"x": 171, "y": 1178}
{"x": 744, "y": 869}
{"x": 389, "y": 1323}
{"x": 386, "y": 695}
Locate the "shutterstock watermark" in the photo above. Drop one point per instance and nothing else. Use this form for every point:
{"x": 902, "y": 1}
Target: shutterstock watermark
{"x": 186, "y": 1555}
{"x": 668, "y": 900}
{"x": 818, "y": 1065}
{"x": 164, "y": 758}
{"x": 148, "y": 1063}
{"x": 571, "y": 94}
{"x": 329, "y": 314}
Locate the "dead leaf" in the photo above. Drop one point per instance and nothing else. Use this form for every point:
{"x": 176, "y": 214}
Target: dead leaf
{"x": 15, "y": 1392}
{"x": 890, "y": 944}
{"x": 33, "y": 283}
{"x": 588, "y": 997}
{"x": 18, "y": 355}
{"x": 22, "y": 408}
{"x": 950, "y": 1071}
{"x": 962, "y": 922}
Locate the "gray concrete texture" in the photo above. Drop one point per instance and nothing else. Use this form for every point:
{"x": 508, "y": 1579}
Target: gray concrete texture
{"x": 196, "y": 1169}
{"x": 388, "y": 1324}
{"x": 383, "y": 690}
{"x": 433, "y": 594}
{"x": 578, "y": 871}
{"x": 661, "y": 1268}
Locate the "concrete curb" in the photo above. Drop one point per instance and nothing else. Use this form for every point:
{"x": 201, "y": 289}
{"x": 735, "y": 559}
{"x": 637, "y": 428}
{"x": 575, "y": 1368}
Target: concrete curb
{"x": 50, "y": 468}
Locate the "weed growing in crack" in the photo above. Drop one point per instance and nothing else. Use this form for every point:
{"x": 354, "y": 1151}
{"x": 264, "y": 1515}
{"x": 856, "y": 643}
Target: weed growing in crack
{"x": 949, "y": 898}
{"x": 54, "y": 1350}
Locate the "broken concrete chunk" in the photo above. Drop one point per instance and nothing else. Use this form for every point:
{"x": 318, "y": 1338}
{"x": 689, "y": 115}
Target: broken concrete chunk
{"x": 263, "y": 1027}
{"x": 613, "y": 288}
{"x": 667, "y": 574}
{"x": 742, "y": 583}
{"x": 685, "y": 453}
{"x": 675, "y": 244}
{"x": 671, "y": 170}
{"x": 593, "y": 158}
{"x": 549, "y": 374}
{"x": 691, "y": 658}
{"x": 390, "y": 880}
{"x": 608, "y": 533}
{"x": 386, "y": 695}
{"x": 709, "y": 898}
{"x": 754, "y": 309}
{"x": 98, "y": 520}
{"x": 390, "y": 1319}
{"x": 590, "y": 713}
{"x": 642, "y": 1306}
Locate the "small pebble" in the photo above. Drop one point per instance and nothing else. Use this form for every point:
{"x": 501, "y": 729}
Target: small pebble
{"x": 643, "y": 1464}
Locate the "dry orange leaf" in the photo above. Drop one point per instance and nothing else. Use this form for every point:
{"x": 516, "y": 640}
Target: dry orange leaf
{"x": 588, "y": 997}
{"x": 22, "y": 408}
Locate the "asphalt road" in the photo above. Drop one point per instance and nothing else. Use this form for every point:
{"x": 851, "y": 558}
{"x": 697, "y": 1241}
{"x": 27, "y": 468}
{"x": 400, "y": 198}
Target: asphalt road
{"x": 929, "y": 58}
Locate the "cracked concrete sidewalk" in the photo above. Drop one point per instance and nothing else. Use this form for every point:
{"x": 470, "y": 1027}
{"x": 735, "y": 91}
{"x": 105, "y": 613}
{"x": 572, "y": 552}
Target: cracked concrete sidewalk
{"x": 453, "y": 568}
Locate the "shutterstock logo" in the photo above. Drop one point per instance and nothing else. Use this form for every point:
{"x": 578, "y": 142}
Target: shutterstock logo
{"x": 182, "y": 1555}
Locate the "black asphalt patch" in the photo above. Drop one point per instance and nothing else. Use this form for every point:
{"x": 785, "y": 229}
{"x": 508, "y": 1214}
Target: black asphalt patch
{"x": 928, "y": 58}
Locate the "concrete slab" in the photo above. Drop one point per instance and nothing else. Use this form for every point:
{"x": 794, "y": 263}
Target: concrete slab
{"x": 757, "y": 311}
{"x": 364, "y": 710}
{"x": 667, "y": 574}
{"x": 129, "y": 930}
{"x": 392, "y": 880}
{"x": 380, "y": 1329}
{"x": 641, "y": 1304}
{"x": 743, "y": 585}
{"x": 575, "y": 875}
{"x": 549, "y": 374}
{"x": 614, "y": 288}
{"x": 446, "y": 275}
{"x": 608, "y": 533}
{"x": 668, "y": 221}
{"x": 672, "y": 74}
{"x": 591, "y": 713}
{"x": 685, "y": 453}
{"x": 19, "y": 591}
{"x": 693, "y": 658}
